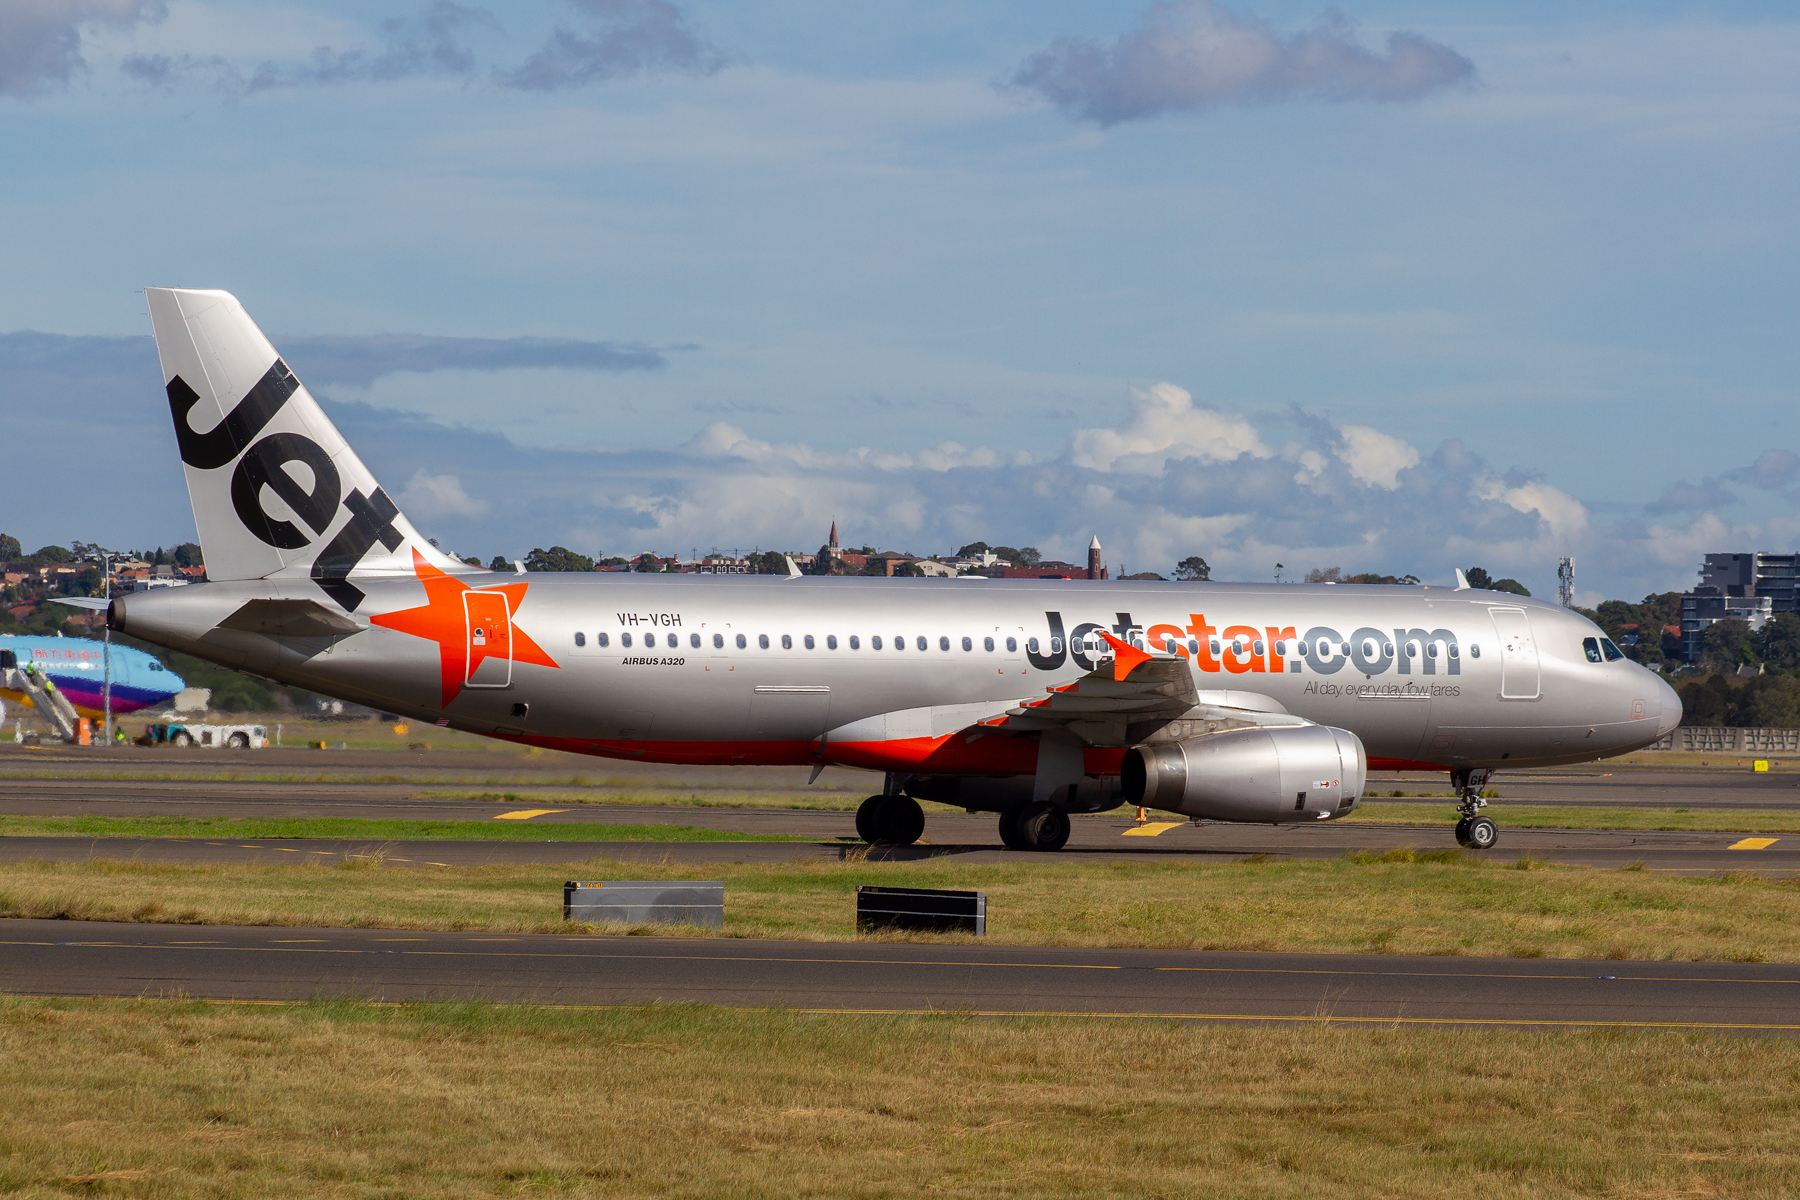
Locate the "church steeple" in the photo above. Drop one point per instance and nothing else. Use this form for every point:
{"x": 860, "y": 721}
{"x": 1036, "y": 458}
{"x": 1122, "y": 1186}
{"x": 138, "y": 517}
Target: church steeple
{"x": 833, "y": 542}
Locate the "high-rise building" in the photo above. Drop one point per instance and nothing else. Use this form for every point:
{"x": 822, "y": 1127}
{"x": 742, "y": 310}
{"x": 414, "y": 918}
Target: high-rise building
{"x": 1750, "y": 587}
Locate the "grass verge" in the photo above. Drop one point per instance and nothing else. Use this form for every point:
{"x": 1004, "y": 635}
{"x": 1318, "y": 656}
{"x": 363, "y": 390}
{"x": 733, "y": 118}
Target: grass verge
{"x": 1402, "y": 902}
{"x": 365, "y": 829}
{"x": 176, "y": 1099}
{"x": 1551, "y": 816}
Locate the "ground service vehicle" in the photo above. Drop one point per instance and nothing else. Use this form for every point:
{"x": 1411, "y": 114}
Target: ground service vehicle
{"x": 1033, "y": 700}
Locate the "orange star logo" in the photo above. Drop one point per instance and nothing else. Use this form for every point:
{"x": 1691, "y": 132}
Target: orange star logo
{"x": 460, "y": 627}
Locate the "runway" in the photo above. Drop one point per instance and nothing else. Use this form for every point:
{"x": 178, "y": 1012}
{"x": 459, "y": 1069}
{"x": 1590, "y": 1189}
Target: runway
{"x": 226, "y": 963}
{"x": 965, "y": 838}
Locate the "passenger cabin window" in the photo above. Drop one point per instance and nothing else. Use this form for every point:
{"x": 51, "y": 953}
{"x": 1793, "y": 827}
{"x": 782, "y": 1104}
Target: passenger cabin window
{"x": 1031, "y": 644}
{"x": 600, "y": 639}
{"x": 900, "y": 643}
{"x": 1474, "y": 650}
{"x": 1056, "y": 645}
{"x": 1012, "y": 645}
{"x": 625, "y": 639}
{"x": 1591, "y": 648}
{"x": 944, "y": 644}
{"x": 1613, "y": 653}
{"x": 694, "y": 640}
{"x": 809, "y": 641}
{"x": 875, "y": 642}
{"x": 787, "y": 643}
{"x": 987, "y": 643}
{"x": 856, "y": 643}
{"x": 921, "y": 643}
{"x": 762, "y": 641}
{"x": 741, "y": 643}
{"x": 831, "y": 641}
{"x": 581, "y": 639}
{"x": 718, "y": 641}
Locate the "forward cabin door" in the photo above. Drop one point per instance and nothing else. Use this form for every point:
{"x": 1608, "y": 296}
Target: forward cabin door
{"x": 489, "y": 618}
{"x": 1518, "y": 654}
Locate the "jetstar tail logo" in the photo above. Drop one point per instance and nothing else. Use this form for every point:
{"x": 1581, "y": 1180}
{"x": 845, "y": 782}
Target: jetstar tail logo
{"x": 445, "y": 618}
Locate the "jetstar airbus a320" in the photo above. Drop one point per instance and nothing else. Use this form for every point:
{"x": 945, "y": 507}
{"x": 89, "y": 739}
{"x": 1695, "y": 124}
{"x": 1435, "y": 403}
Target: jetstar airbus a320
{"x": 1033, "y": 700}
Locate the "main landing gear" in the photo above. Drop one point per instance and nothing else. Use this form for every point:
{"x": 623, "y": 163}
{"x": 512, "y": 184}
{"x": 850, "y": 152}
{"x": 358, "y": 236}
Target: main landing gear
{"x": 1474, "y": 831}
{"x": 895, "y": 820}
{"x": 1034, "y": 827}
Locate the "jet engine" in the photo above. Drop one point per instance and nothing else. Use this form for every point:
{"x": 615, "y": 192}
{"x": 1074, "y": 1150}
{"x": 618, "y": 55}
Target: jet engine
{"x": 1279, "y": 774}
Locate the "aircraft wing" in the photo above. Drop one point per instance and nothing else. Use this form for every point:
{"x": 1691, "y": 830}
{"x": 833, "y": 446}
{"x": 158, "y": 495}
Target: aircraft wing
{"x": 1135, "y": 686}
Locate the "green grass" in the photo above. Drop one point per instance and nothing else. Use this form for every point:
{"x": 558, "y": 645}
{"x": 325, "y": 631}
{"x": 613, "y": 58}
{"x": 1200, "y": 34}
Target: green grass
{"x": 1550, "y": 816}
{"x": 366, "y": 830}
{"x": 179, "y": 1099}
{"x": 1399, "y": 902}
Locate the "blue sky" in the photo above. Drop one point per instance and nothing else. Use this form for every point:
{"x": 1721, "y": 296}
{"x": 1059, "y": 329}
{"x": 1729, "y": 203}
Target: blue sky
{"x": 1411, "y": 287}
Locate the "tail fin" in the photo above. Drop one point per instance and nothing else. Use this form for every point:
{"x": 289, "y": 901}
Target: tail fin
{"x": 277, "y": 492}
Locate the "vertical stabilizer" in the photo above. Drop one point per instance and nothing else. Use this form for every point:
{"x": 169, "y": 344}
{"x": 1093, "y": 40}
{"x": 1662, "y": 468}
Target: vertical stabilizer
{"x": 277, "y": 492}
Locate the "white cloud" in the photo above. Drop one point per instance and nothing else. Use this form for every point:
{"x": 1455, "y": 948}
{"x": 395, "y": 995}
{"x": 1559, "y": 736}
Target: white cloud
{"x": 427, "y": 496}
{"x": 41, "y": 40}
{"x": 1375, "y": 457}
{"x": 1193, "y": 55}
{"x": 1165, "y": 424}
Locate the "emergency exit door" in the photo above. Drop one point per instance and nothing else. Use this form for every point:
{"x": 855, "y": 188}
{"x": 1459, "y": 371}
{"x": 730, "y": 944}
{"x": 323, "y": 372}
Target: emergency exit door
{"x": 489, "y": 618}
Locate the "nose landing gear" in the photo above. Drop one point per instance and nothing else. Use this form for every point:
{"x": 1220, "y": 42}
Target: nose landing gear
{"x": 1474, "y": 831}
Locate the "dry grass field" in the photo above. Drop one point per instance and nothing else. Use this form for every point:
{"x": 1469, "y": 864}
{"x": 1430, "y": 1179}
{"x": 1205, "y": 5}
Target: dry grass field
{"x": 179, "y": 1099}
{"x": 1401, "y": 902}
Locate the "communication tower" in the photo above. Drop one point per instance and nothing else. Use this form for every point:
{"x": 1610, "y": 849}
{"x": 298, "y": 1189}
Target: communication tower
{"x": 1565, "y": 583}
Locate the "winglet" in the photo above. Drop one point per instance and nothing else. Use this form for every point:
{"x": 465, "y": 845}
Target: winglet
{"x": 793, "y": 571}
{"x": 1462, "y": 581}
{"x": 1126, "y": 657}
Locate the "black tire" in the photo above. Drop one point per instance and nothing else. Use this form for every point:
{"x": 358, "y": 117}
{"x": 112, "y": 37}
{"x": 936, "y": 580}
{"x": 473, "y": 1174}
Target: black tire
{"x": 1462, "y": 832}
{"x": 1483, "y": 833}
{"x": 865, "y": 819}
{"x": 1009, "y": 828}
{"x": 899, "y": 821}
{"x": 1044, "y": 827}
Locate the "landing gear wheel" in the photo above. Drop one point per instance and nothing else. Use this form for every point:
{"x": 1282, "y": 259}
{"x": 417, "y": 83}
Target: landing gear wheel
{"x": 865, "y": 818}
{"x": 1044, "y": 827}
{"x": 1462, "y": 832}
{"x": 1009, "y": 828}
{"x": 899, "y": 821}
{"x": 1483, "y": 833}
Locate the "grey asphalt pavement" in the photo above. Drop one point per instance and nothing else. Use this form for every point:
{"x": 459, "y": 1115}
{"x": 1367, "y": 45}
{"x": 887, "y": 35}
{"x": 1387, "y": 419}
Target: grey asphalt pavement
{"x": 226, "y": 963}
{"x": 966, "y": 838}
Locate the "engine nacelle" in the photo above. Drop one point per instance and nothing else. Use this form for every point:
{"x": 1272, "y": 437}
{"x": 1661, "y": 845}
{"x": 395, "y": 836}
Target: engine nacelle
{"x": 1274, "y": 775}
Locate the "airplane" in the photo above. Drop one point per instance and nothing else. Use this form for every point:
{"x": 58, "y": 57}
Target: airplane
{"x": 1032, "y": 700}
{"x": 77, "y": 666}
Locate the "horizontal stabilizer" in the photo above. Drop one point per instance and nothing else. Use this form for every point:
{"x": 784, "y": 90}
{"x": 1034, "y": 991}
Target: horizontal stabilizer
{"x": 289, "y": 618}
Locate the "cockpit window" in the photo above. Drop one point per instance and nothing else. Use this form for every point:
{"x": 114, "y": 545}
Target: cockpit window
{"x": 1613, "y": 653}
{"x": 1591, "y": 647}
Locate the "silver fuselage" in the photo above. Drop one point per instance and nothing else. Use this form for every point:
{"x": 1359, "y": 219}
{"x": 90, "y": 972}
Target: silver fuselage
{"x": 1445, "y": 678}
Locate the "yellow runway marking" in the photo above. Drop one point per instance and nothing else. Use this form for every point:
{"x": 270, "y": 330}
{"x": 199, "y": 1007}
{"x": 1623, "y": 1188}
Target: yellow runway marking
{"x": 1153, "y": 829}
{"x": 294, "y": 941}
{"x": 1753, "y": 844}
{"x": 525, "y": 814}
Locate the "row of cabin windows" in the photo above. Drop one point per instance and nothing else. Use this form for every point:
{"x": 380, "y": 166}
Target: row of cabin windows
{"x": 1295, "y": 648}
{"x": 673, "y": 641}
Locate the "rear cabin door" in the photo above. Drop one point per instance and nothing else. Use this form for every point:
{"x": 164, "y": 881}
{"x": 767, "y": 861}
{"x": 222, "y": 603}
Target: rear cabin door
{"x": 1518, "y": 654}
{"x": 490, "y": 640}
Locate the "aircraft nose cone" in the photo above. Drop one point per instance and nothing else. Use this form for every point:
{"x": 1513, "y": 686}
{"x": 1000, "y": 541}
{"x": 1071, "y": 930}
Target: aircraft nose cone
{"x": 1671, "y": 709}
